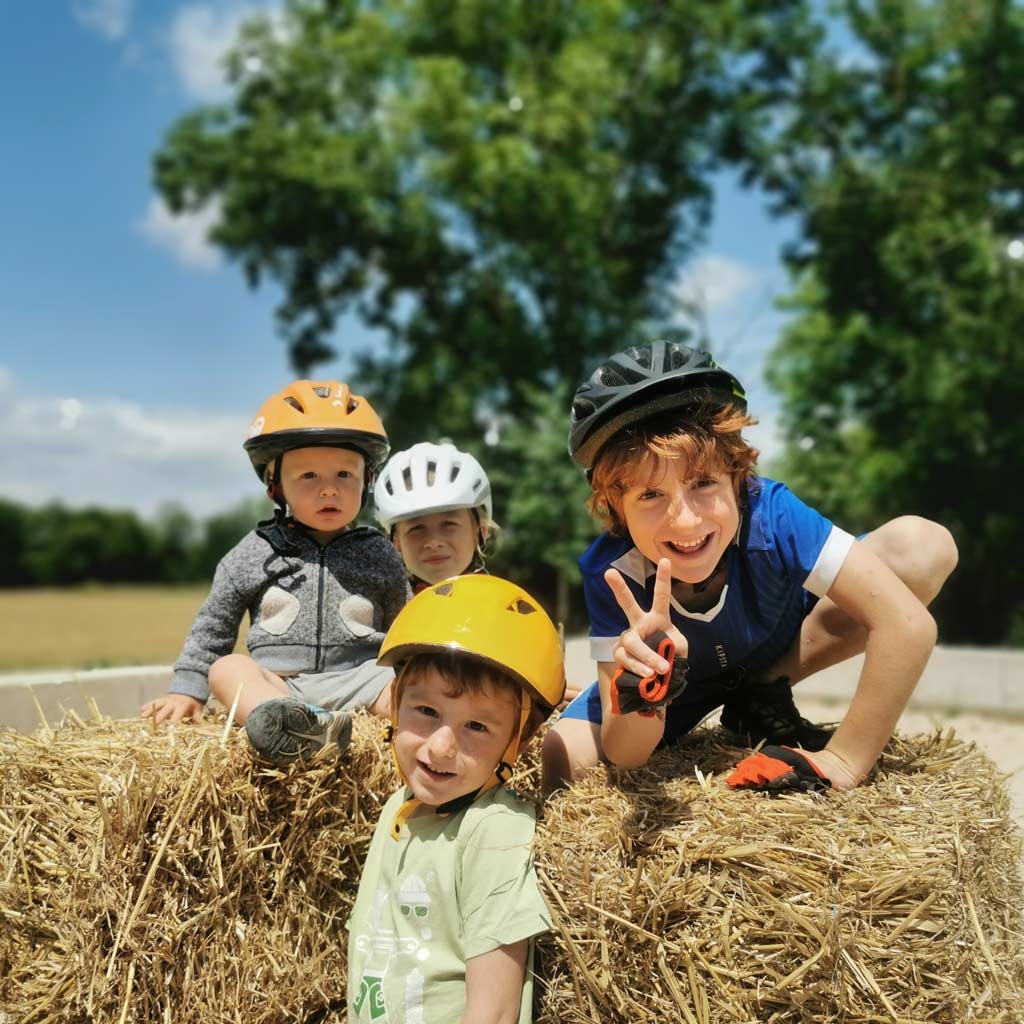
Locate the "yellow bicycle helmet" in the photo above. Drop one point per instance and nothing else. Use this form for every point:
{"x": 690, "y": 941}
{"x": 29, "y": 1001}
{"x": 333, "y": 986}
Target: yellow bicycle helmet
{"x": 311, "y": 413}
{"x": 489, "y": 619}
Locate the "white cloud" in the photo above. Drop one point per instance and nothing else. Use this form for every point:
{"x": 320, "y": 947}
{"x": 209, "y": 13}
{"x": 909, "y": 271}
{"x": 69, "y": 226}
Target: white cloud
{"x": 117, "y": 454}
{"x": 185, "y": 235}
{"x": 108, "y": 17}
{"x": 713, "y": 283}
{"x": 200, "y": 36}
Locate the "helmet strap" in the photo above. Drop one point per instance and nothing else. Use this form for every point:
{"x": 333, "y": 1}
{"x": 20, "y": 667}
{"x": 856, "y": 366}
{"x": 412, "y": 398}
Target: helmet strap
{"x": 275, "y": 492}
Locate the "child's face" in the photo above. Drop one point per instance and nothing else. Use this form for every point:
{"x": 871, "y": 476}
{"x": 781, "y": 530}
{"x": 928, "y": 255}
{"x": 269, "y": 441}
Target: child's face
{"x": 438, "y": 545}
{"x": 688, "y": 520}
{"x": 449, "y": 746}
{"x": 323, "y": 487}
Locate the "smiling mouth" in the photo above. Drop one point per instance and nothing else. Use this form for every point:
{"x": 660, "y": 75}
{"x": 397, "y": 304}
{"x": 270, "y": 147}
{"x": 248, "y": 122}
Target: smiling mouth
{"x": 691, "y": 547}
{"x": 435, "y": 773}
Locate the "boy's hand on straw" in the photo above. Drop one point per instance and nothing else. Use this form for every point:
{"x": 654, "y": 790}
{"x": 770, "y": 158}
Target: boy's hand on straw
{"x": 633, "y": 653}
{"x": 172, "y": 708}
{"x": 777, "y": 769}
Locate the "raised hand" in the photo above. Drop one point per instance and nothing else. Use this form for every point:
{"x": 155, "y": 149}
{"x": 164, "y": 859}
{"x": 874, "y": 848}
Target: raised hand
{"x": 632, "y": 652}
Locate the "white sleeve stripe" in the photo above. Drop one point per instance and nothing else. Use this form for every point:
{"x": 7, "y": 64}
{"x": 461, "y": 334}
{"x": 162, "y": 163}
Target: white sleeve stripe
{"x": 829, "y": 562}
{"x": 602, "y": 648}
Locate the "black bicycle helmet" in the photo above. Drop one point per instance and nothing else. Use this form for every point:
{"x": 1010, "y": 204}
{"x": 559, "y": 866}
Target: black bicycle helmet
{"x": 639, "y": 383}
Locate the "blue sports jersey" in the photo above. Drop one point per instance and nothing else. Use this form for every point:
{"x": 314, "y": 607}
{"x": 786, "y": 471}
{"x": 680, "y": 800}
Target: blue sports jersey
{"x": 785, "y": 550}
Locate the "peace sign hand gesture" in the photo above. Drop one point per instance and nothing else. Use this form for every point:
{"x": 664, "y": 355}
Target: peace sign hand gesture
{"x": 651, "y": 654}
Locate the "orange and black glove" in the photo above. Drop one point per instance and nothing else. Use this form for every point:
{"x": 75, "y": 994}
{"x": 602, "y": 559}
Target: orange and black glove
{"x": 631, "y": 693}
{"x": 776, "y": 769}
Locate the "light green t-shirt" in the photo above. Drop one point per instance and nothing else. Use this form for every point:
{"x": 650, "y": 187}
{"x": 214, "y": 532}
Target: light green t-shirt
{"x": 446, "y": 890}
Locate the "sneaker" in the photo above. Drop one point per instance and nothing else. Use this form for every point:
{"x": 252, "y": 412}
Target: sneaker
{"x": 765, "y": 712}
{"x": 288, "y": 730}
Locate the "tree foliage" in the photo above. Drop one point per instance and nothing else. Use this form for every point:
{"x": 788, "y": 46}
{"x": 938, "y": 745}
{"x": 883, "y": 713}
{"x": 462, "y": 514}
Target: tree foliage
{"x": 902, "y": 374}
{"x": 504, "y": 188}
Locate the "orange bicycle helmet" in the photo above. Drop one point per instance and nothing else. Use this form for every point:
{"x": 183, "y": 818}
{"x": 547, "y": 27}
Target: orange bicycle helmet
{"x": 309, "y": 414}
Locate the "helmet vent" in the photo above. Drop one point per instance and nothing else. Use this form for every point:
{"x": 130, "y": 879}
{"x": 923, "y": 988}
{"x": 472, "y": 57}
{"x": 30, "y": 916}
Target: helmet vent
{"x": 294, "y": 403}
{"x": 642, "y": 356}
{"x": 407, "y": 478}
{"x": 521, "y": 607}
{"x": 352, "y": 405}
{"x": 678, "y": 356}
{"x": 611, "y": 378}
{"x": 323, "y": 392}
{"x": 444, "y": 590}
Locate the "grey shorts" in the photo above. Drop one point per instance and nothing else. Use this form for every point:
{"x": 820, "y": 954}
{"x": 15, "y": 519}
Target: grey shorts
{"x": 342, "y": 689}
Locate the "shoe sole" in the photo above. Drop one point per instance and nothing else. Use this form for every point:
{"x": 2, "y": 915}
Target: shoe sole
{"x": 286, "y": 730}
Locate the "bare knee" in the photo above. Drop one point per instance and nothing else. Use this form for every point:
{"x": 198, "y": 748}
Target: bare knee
{"x": 227, "y": 674}
{"x": 921, "y": 552}
{"x": 569, "y": 749}
{"x": 381, "y": 707}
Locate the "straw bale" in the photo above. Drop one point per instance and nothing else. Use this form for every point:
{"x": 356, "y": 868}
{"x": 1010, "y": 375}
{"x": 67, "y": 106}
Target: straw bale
{"x": 678, "y": 899}
{"x": 166, "y": 876}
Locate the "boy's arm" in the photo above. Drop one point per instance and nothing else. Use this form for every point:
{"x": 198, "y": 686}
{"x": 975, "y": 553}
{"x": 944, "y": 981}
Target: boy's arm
{"x": 494, "y": 985}
{"x": 900, "y": 636}
{"x": 214, "y": 633}
{"x": 629, "y": 740}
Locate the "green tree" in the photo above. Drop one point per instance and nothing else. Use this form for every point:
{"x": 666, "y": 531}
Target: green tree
{"x": 902, "y": 374}
{"x": 69, "y": 546}
{"x": 15, "y": 527}
{"x": 222, "y": 532}
{"x": 504, "y": 188}
{"x": 539, "y": 498}
{"x": 176, "y": 537}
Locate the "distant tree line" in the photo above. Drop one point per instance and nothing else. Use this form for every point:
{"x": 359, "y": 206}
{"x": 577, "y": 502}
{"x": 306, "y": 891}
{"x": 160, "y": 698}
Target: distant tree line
{"x": 56, "y": 546}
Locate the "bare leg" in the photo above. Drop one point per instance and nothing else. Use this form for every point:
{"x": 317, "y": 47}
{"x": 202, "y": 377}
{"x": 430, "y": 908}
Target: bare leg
{"x": 570, "y": 748}
{"x": 238, "y": 675}
{"x": 920, "y": 552}
{"x": 381, "y": 707}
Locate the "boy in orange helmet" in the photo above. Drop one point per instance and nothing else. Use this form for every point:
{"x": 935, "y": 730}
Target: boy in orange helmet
{"x": 448, "y": 904}
{"x": 320, "y": 593}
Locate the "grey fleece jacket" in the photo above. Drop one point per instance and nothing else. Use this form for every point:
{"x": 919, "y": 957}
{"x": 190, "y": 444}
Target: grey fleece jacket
{"x": 311, "y": 608}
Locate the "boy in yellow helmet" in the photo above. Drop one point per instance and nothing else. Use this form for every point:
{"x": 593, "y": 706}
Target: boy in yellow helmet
{"x": 448, "y": 903}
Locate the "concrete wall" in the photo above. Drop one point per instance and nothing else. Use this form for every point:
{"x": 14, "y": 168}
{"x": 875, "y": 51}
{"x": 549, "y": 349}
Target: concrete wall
{"x": 982, "y": 679}
{"x": 985, "y": 679}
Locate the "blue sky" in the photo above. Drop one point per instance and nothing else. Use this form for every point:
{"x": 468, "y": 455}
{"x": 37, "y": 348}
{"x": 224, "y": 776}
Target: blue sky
{"x": 132, "y": 357}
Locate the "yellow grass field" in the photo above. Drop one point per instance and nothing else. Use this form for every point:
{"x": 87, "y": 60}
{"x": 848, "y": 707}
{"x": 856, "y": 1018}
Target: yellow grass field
{"x": 95, "y": 626}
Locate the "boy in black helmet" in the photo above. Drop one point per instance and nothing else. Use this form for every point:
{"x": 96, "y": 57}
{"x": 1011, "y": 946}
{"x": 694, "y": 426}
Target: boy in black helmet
{"x": 714, "y": 587}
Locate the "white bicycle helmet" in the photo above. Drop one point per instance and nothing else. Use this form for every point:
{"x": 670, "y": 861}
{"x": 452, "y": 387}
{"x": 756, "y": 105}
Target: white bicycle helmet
{"x": 429, "y": 478}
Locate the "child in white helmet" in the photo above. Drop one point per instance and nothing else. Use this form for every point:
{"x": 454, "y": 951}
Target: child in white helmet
{"x": 434, "y": 501}
{"x": 449, "y": 904}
